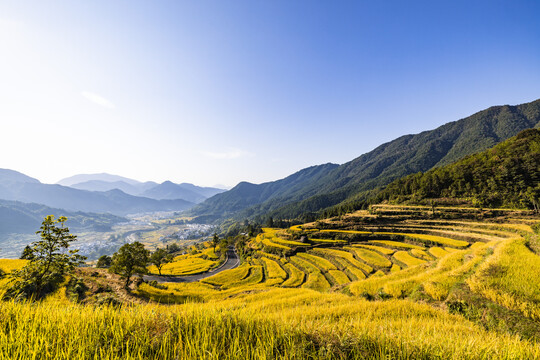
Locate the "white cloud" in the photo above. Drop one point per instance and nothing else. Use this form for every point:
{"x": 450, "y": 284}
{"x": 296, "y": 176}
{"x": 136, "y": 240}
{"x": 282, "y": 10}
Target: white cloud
{"x": 229, "y": 154}
{"x": 98, "y": 99}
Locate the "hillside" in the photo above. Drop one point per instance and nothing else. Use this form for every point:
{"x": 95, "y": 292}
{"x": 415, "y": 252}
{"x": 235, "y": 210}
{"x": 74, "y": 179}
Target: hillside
{"x": 507, "y": 175}
{"x": 244, "y": 195}
{"x": 406, "y": 155}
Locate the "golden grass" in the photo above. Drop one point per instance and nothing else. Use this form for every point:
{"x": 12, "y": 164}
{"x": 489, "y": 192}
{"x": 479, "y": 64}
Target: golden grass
{"x": 350, "y": 263}
{"x": 328, "y": 241}
{"x": 371, "y": 257}
{"x": 429, "y": 238}
{"x": 234, "y": 315}
{"x": 438, "y": 252}
{"x": 339, "y": 277}
{"x": 273, "y": 269}
{"x": 8, "y": 265}
{"x": 296, "y": 276}
{"x": 318, "y": 261}
{"x": 382, "y": 250}
{"x": 346, "y": 231}
{"x": 421, "y": 254}
{"x": 407, "y": 259}
{"x": 277, "y": 324}
{"x": 229, "y": 276}
{"x": 397, "y": 244}
{"x": 316, "y": 281}
{"x": 511, "y": 278}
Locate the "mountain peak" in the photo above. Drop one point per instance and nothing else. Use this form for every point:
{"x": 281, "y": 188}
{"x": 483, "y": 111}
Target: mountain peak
{"x": 81, "y": 178}
{"x": 8, "y": 176}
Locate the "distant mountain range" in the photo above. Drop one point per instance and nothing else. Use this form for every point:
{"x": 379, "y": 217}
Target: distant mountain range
{"x": 114, "y": 201}
{"x": 164, "y": 191}
{"x": 98, "y": 202}
{"x": 333, "y": 185}
{"x": 104, "y": 177}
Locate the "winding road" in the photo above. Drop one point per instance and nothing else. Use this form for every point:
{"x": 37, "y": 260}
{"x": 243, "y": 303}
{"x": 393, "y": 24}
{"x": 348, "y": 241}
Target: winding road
{"x": 231, "y": 262}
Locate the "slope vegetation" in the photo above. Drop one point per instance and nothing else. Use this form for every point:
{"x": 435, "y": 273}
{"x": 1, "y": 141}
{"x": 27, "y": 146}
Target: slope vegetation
{"x": 245, "y": 195}
{"x": 506, "y": 175}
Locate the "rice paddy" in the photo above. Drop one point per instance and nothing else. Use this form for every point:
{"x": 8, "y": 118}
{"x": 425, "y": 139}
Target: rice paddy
{"x": 353, "y": 295}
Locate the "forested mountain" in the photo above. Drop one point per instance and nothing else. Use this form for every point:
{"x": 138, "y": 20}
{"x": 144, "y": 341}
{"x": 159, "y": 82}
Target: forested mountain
{"x": 413, "y": 153}
{"x": 18, "y": 217}
{"x": 244, "y": 195}
{"x": 506, "y": 175}
{"x": 403, "y": 156}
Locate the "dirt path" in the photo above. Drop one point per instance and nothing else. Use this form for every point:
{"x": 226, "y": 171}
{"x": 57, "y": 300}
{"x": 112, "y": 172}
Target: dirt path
{"x": 231, "y": 262}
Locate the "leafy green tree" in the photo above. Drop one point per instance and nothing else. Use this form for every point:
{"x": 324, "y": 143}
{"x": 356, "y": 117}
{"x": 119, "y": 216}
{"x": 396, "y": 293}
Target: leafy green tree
{"x": 215, "y": 241}
{"x": 130, "y": 259}
{"x": 172, "y": 248}
{"x": 160, "y": 257}
{"x": 104, "y": 261}
{"x": 49, "y": 261}
{"x": 533, "y": 195}
{"x": 27, "y": 253}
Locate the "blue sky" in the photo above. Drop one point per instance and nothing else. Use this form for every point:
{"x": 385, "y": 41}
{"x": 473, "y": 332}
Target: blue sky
{"x": 216, "y": 92}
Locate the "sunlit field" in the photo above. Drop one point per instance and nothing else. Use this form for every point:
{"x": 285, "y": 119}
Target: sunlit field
{"x": 414, "y": 289}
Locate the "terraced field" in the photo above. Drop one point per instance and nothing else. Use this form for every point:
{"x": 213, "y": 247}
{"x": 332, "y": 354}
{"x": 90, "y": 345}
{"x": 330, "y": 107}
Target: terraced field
{"x": 189, "y": 264}
{"x": 413, "y": 287}
{"x": 396, "y": 260}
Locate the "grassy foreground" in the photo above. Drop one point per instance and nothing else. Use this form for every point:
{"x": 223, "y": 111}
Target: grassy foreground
{"x": 279, "y": 324}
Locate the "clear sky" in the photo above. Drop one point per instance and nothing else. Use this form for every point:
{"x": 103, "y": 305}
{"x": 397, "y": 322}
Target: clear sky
{"x": 216, "y": 92}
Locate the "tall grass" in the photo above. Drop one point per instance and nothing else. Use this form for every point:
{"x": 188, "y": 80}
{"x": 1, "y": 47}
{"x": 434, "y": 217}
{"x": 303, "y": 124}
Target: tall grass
{"x": 277, "y": 324}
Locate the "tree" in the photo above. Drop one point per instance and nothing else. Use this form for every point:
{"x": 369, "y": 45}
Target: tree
{"x": 130, "y": 259}
{"x": 27, "y": 253}
{"x": 49, "y": 260}
{"x": 172, "y": 248}
{"x": 104, "y": 261}
{"x": 215, "y": 241}
{"x": 160, "y": 257}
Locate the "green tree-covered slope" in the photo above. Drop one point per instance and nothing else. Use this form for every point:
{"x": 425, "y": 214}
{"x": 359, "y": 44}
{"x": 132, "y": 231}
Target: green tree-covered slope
{"x": 243, "y": 196}
{"x": 505, "y": 175}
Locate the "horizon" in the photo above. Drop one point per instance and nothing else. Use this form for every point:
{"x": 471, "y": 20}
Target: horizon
{"x": 219, "y": 94}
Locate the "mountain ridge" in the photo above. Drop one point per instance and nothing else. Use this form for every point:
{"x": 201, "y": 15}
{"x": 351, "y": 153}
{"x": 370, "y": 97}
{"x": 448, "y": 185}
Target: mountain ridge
{"x": 402, "y": 156}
